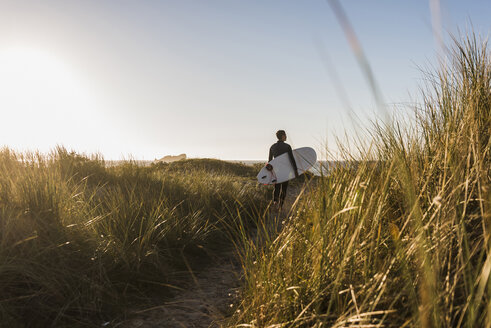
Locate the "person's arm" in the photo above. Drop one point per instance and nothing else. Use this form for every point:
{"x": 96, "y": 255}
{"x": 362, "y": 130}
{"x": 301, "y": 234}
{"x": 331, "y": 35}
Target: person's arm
{"x": 292, "y": 160}
{"x": 270, "y": 154}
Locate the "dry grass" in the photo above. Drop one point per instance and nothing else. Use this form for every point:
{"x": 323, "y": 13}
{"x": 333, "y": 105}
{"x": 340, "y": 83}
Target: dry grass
{"x": 403, "y": 241}
{"x": 80, "y": 243}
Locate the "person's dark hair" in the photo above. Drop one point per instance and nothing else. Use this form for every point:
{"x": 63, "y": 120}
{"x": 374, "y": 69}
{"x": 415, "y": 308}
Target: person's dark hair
{"x": 280, "y": 134}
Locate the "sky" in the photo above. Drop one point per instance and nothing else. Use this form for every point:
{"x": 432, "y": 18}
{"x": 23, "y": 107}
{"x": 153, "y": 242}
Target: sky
{"x": 210, "y": 78}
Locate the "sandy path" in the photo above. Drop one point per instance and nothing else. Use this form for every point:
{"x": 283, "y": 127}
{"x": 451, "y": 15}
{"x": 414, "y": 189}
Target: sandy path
{"x": 211, "y": 297}
{"x": 208, "y": 300}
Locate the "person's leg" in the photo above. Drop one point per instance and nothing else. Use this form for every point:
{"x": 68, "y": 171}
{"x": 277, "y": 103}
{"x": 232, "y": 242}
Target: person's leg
{"x": 276, "y": 192}
{"x": 284, "y": 186}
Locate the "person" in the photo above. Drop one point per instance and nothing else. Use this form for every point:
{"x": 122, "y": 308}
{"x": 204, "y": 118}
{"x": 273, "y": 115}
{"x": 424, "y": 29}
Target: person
{"x": 277, "y": 149}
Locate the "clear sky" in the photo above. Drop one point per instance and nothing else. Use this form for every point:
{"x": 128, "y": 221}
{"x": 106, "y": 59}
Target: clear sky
{"x": 209, "y": 78}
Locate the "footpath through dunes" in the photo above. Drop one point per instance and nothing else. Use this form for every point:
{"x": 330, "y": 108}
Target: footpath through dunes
{"x": 206, "y": 300}
{"x": 213, "y": 294}
{"x": 84, "y": 244}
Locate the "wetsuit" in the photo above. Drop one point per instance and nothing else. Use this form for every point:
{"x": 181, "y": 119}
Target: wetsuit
{"x": 276, "y": 150}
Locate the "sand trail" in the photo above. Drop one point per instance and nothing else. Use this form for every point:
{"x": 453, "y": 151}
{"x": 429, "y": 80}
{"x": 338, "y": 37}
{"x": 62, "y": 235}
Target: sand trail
{"x": 210, "y": 298}
{"x": 213, "y": 294}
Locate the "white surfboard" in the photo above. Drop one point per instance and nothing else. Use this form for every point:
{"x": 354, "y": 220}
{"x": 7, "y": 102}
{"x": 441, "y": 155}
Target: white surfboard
{"x": 281, "y": 167}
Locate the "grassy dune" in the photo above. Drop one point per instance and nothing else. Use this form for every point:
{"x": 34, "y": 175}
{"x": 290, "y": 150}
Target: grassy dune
{"x": 81, "y": 242}
{"x": 400, "y": 239}
{"x": 400, "y": 236}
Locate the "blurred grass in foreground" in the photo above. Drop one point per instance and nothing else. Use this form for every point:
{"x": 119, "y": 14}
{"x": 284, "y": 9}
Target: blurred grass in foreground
{"x": 400, "y": 238}
{"x": 81, "y": 242}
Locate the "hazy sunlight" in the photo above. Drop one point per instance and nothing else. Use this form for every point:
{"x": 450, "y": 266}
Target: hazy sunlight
{"x": 42, "y": 100}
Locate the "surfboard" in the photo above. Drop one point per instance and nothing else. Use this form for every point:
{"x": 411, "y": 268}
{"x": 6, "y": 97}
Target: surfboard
{"x": 280, "y": 168}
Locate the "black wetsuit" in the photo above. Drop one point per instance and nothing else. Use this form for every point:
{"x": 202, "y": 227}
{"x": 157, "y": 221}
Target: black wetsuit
{"x": 276, "y": 150}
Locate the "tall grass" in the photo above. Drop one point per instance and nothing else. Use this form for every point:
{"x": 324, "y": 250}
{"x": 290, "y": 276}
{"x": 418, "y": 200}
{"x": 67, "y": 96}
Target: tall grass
{"x": 400, "y": 238}
{"x": 81, "y": 242}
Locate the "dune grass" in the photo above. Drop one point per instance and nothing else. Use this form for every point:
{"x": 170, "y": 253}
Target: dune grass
{"x": 397, "y": 237}
{"x": 81, "y": 243}
{"x": 209, "y": 165}
{"x": 401, "y": 238}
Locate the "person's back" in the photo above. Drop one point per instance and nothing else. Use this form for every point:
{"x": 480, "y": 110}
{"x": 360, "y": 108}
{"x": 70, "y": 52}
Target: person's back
{"x": 277, "y": 149}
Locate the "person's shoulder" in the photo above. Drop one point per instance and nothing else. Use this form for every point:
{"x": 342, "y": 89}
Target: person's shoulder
{"x": 289, "y": 147}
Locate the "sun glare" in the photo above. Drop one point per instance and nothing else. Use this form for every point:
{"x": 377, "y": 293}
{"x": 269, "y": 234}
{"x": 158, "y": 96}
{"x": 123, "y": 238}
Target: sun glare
{"x": 42, "y": 100}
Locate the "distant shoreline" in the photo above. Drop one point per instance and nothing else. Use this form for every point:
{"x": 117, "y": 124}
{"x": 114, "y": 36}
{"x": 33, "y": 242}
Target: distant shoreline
{"x": 324, "y": 166}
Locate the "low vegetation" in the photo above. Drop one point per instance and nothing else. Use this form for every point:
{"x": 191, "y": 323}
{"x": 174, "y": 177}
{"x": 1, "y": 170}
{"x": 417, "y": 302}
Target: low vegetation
{"x": 398, "y": 236}
{"x": 401, "y": 238}
{"x": 81, "y": 242}
{"x": 213, "y": 166}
